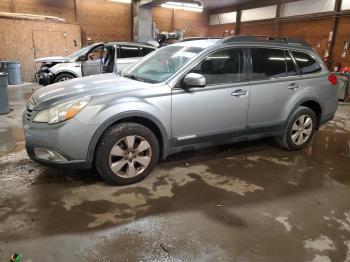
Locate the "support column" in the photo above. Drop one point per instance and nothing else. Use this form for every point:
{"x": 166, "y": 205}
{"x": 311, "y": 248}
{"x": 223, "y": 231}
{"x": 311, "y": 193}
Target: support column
{"x": 277, "y": 19}
{"x": 142, "y": 21}
{"x": 12, "y": 5}
{"x": 76, "y": 11}
{"x": 238, "y": 22}
{"x": 334, "y": 29}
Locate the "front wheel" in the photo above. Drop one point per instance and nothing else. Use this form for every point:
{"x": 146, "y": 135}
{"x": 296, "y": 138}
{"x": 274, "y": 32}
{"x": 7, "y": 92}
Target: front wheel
{"x": 126, "y": 154}
{"x": 63, "y": 77}
{"x": 300, "y": 129}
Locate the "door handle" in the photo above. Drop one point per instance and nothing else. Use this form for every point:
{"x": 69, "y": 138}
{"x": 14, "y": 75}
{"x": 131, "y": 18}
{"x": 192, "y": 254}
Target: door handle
{"x": 293, "y": 86}
{"x": 239, "y": 93}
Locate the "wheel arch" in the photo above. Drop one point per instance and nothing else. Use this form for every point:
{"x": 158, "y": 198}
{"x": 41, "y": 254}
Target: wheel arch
{"x": 316, "y": 107}
{"x": 312, "y": 103}
{"x": 64, "y": 72}
{"x": 142, "y": 118}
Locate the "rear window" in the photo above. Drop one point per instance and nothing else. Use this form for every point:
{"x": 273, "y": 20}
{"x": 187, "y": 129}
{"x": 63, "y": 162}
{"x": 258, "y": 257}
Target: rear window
{"x": 268, "y": 63}
{"x": 291, "y": 70}
{"x": 306, "y": 63}
{"x": 129, "y": 51}
{"x": 146, "y": 50}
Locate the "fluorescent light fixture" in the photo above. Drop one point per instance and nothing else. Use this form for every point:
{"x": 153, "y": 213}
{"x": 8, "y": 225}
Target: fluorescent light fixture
{"x": 121, "y": 1}
{"x": 183, "y": 6}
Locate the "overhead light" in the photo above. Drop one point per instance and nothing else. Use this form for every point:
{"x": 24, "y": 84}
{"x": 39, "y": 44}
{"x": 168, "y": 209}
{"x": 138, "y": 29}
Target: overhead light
{"x": 121, "y": 1}
{"x": 183, "y": 6}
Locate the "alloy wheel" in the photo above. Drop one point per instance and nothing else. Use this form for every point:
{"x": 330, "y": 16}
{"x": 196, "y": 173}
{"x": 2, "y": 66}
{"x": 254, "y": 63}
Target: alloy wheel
{"x": 64, "y": 79}
{"x": 130, "y": 156}
{"x": 302, "y": 129}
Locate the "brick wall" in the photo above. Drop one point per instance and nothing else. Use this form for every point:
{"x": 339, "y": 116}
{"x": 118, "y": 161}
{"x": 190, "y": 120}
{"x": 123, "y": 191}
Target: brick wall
{"x": 60, "y": 8}
{"x": 219, "y": 30}
{"x": 99, "y": 19}
{"x": 342, "y": 36}
{"x": 313, "y": 30}
{"x": 104, "y": 21}
{"x": 194, "y": 24}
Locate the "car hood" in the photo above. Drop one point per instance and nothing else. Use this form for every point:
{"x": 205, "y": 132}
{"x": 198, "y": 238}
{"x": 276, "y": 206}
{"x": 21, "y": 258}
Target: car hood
{"x": 86, "y": 86}
{"x": 52, "y": 59}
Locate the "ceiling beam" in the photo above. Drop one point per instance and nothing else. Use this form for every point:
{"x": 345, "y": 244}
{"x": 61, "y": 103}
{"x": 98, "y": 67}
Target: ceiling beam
{"x": 254, "y": 4}
{"x": 159, "y": 2}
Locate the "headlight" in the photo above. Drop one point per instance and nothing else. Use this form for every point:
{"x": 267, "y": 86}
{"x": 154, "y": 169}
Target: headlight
{"x": 62, "y": 112}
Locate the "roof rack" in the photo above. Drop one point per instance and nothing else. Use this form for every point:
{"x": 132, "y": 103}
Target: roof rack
{"x": 264, "y": 38}
{"x": 198, "y": 38}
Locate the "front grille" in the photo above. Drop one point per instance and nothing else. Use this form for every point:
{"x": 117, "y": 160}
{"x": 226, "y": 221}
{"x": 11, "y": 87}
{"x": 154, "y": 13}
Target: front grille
{"x": 29, "y": 114}
{"x": 29, "y": 109}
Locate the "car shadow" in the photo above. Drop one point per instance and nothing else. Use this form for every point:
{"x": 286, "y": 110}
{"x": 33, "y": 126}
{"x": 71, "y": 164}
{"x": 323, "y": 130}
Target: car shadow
{"x": 211, "y": 181}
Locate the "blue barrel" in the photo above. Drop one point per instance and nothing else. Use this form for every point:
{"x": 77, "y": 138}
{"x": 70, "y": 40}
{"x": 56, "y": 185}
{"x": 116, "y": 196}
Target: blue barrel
{"x": 13, "y": 68}
{"x": 4, "y": 99}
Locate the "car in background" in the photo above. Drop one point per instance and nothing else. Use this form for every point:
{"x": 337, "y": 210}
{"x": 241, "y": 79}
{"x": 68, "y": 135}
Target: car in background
{"x": 345, "y": 70}
{"x": 94, "y": 59}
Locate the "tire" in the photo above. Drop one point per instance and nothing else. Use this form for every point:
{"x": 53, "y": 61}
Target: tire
{"x": 124, "y": 160}
{"x": 297, "y": 135}
{"x": 63, "y": 77}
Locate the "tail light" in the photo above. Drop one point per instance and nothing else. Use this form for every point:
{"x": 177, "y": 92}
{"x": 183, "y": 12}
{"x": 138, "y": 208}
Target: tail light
{"x": 333, "y": 79}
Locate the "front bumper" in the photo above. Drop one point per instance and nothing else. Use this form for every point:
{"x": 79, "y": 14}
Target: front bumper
{"x": 68, "y": 139}
{"x": 68, "y": 164}
{"x": 44, "y": 78}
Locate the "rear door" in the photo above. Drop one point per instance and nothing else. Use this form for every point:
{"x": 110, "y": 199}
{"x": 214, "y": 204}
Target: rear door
{"x": 314, "y": 79}
{"x": 274, "y": 81}
{"x": 127, "y": 55}
{"x": 93, "y": 62}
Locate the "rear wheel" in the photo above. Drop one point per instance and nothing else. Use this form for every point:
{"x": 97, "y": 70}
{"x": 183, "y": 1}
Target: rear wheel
{"x": 300, "y": 129}
{"x": 126, "y": 154}
{"x": 63, "y": 77}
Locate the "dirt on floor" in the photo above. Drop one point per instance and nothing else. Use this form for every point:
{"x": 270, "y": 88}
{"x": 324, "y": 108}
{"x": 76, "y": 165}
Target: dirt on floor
{"x": 250, "y": 201}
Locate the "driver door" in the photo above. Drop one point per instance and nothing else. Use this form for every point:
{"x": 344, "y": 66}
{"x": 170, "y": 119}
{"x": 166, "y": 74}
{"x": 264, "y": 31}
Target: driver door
{"x": 92, "y": 65}
{"x": 218, "y": 110}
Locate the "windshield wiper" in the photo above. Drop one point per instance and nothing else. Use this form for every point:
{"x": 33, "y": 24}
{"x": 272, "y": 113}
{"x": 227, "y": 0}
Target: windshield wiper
{"x": 139, "y": 78}
{"x": 135, "y": 77}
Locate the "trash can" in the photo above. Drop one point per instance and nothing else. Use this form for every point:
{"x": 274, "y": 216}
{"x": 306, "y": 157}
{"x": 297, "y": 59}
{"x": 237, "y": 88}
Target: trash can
{"x": 343, "y": 86}
{"x": 4, "y": 99}
{"x": 13, "y": 68}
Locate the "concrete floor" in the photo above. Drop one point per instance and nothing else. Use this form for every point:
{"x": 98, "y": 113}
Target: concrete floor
{"x": 243, "y": 202}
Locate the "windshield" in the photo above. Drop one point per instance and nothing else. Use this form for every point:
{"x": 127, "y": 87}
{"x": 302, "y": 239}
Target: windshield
{"x": 79, "y": 52}
{"x": 162, "y": 64}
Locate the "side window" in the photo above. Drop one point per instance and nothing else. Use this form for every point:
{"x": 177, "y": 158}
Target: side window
{"x": 129, "y": 52}
{"x": 268, "y": 63}
{"x": 146, "y": 51}
{"x": 224, "y": 66}
{"x": 291, "y": 70}
{"x": 306, "y": 63}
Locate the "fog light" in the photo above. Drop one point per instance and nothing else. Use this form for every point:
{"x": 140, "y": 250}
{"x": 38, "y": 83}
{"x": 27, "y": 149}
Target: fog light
{"x": 50, "y": 155}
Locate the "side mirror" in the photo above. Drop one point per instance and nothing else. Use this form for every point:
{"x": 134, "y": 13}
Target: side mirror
{"x": 195, "y": 80}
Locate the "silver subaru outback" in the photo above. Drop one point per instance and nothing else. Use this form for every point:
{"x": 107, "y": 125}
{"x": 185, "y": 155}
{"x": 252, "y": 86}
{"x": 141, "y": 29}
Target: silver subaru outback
{"x": 183, "y": 96}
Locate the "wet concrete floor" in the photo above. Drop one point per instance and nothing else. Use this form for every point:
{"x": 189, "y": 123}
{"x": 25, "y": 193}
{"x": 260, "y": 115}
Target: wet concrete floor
{"x": 242, "y": 202}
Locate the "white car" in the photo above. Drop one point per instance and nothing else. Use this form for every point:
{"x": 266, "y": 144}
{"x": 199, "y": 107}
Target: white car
{"x": 94, "y": 59}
